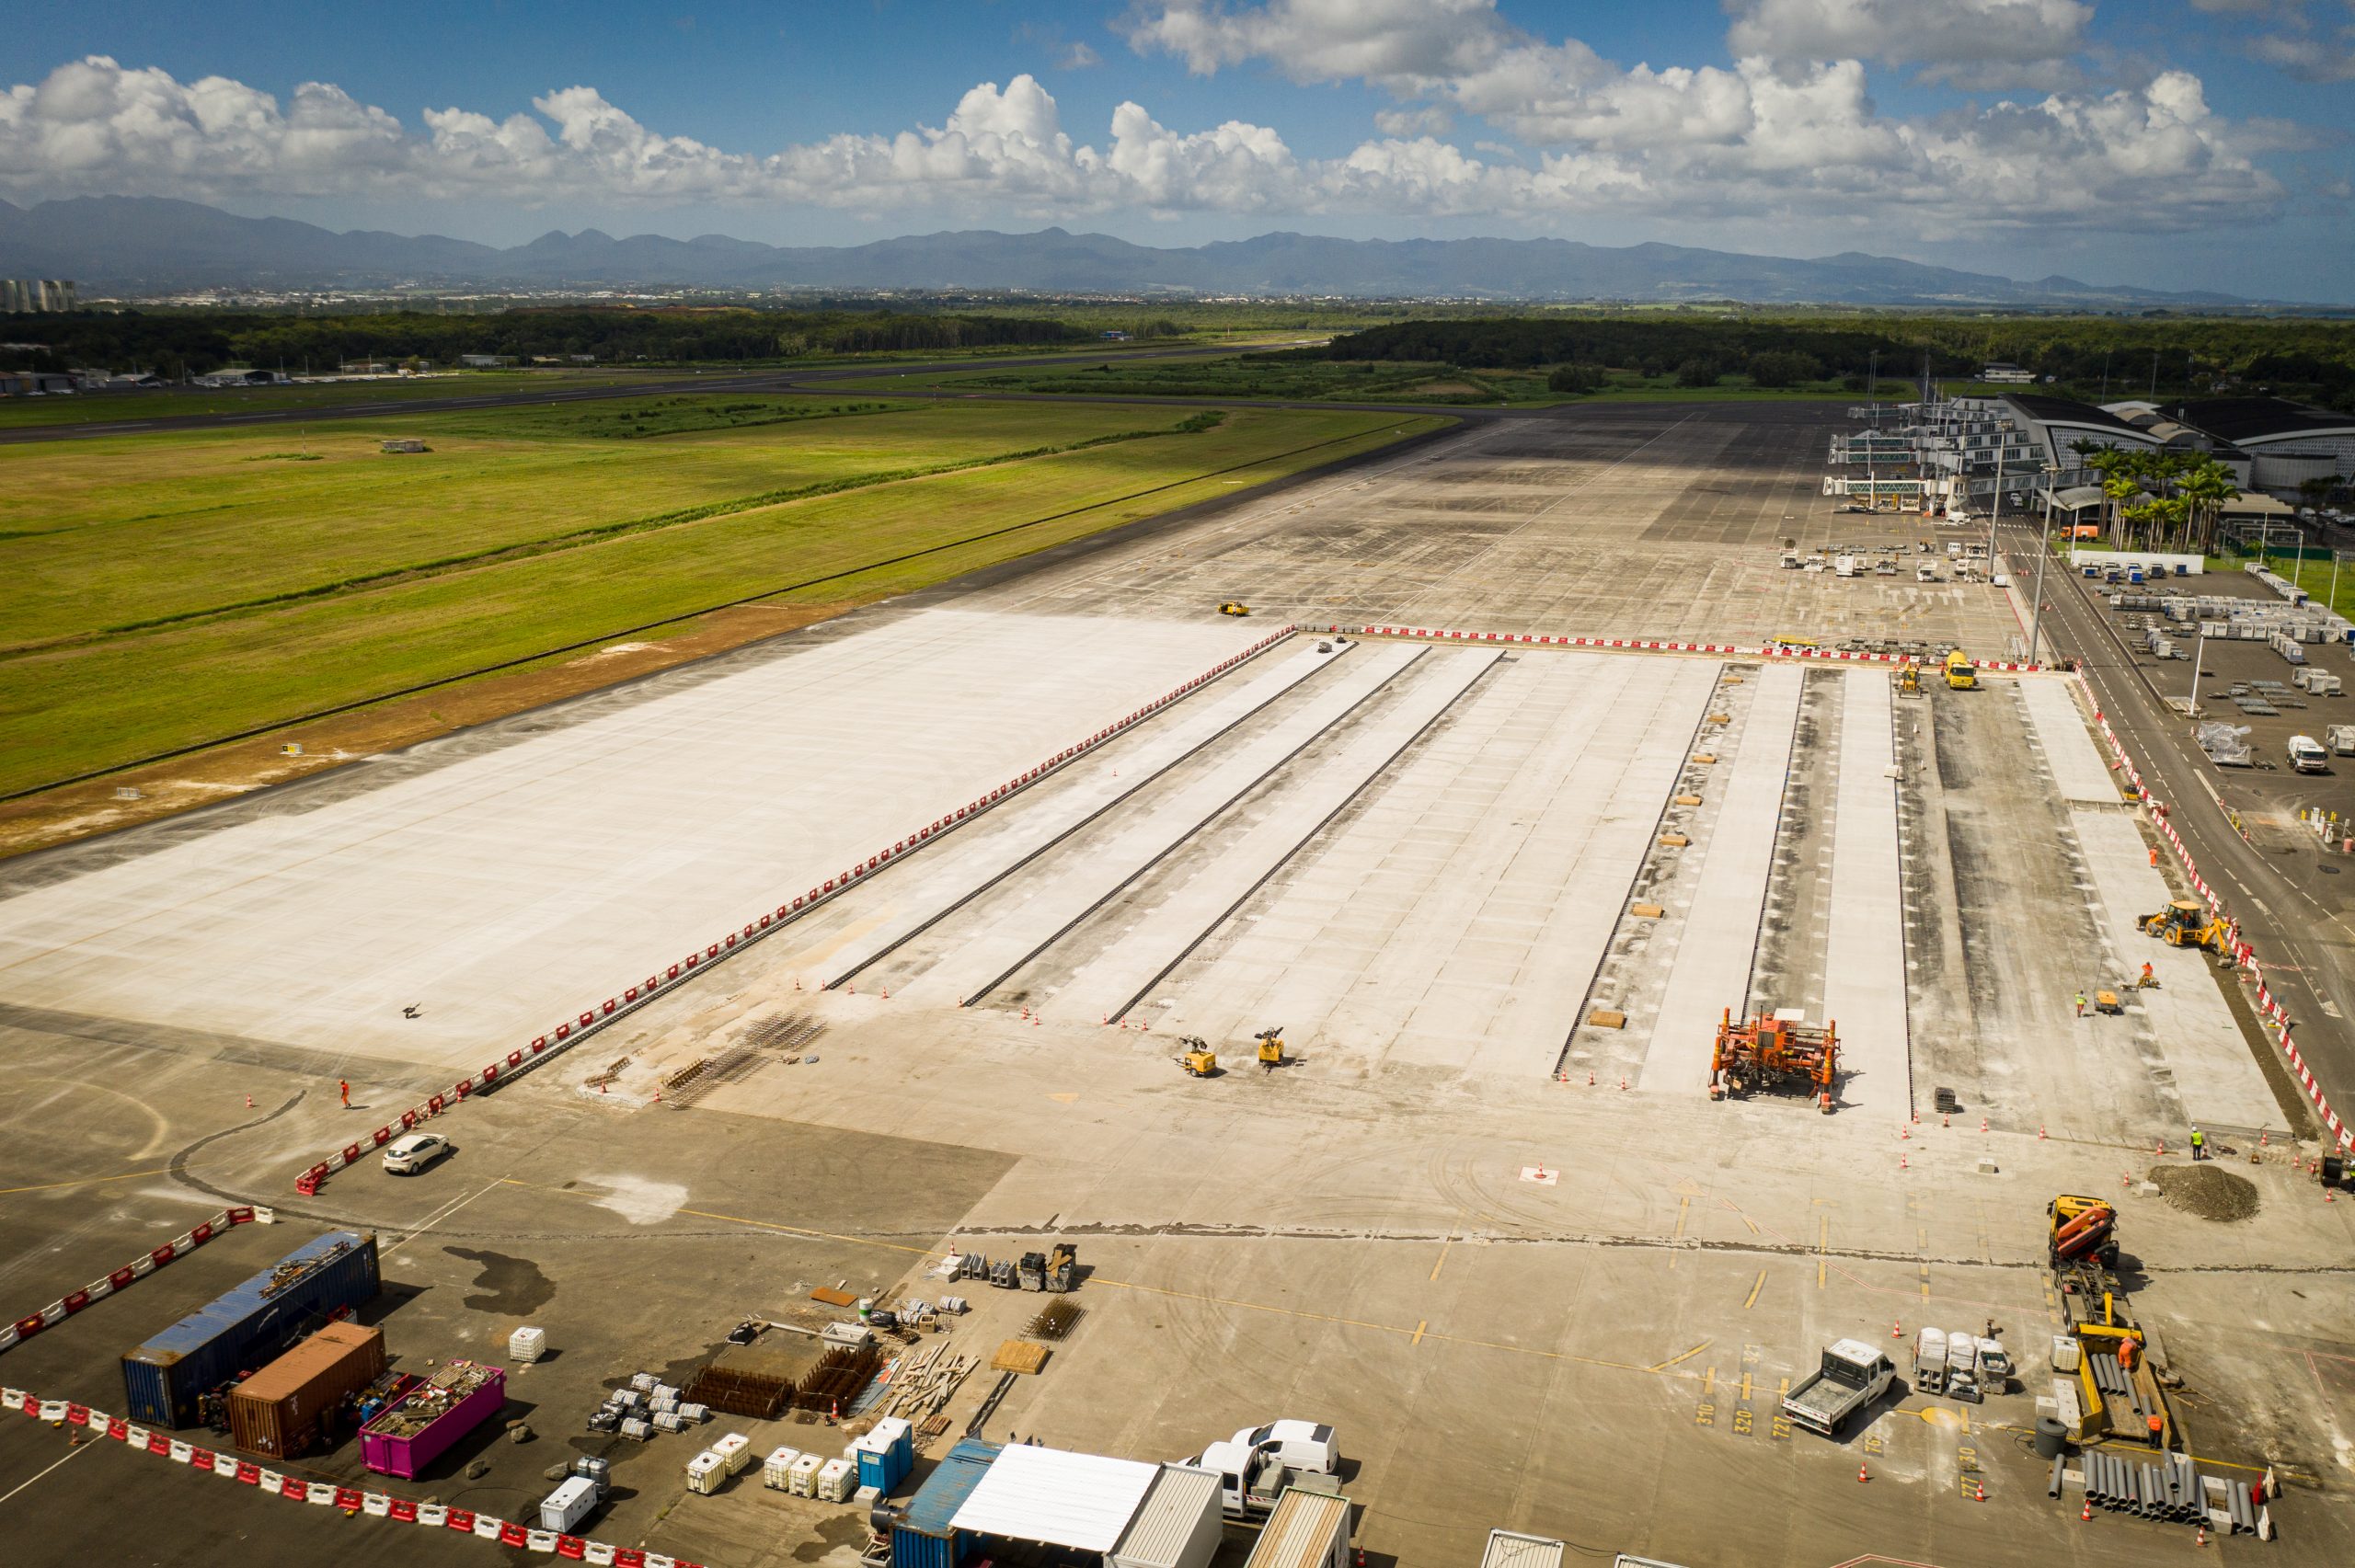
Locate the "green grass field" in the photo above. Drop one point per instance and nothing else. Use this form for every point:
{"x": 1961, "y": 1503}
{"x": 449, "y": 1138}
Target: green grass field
{"x": 171, "y": 590}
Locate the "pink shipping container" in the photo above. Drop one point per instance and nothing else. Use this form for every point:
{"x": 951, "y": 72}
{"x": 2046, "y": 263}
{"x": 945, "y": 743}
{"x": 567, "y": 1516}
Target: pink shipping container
{"x": 405, "y": 1437}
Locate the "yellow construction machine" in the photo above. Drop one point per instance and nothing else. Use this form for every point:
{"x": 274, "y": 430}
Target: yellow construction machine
{"x": 1198, "y": 1058}
{"x": 1908, "y": 680}
{"x": 1961, "y": 674}
{"x": 2185, "y": 922}
{"x": 1234, "y": 606}
{"x": 1271, "y": 1048}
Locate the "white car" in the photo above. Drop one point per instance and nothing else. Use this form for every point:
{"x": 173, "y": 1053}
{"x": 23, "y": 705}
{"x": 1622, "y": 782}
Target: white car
{"x": 1306, "y": 1446}
{"x": 407, "y": 1155}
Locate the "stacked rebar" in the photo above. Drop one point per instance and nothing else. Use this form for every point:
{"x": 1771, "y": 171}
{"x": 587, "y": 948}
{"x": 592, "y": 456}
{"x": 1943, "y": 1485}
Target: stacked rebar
{"x": 837, "y": 1378}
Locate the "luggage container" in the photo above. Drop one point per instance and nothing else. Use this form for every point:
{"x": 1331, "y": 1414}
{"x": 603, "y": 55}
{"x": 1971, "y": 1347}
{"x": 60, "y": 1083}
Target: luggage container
{"x": 165, "y": 1378}
{"x": 886, "y": 1454}
{"x": 804, "y": 1480}
{"x": 1177, "y": 1524}
{"x": 411, "y": 1434}
{"x": 1306, "y": 1529}
{"x": 777, "y": 1470}
{"x": 837, "y": 1479}
{"x": 287, "y": 1408}
{"x": 706, "y": 1472}
{"x": 571, "y": 1503}
{"x": 1508, "y": 1549}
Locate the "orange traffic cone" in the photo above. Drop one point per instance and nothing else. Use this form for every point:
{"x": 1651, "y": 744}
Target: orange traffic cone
{"x": 1861, "y": 1474}
{"x": 2203, "y": 1538}
{"x": 1982, "y": 1124}
{"x": 1902, "y": 1164}
{"x": 1896, "y": 1329}
{"x": 1978, "y": 1493}
{"x": 249, "y": 1102}
{"x": 2039, "y": 1133}
{"x": 2088, "y": 1512}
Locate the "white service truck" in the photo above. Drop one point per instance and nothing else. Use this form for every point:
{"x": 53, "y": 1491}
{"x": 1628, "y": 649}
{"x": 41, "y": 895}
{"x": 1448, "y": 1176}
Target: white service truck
{"x": 1257, "y": 1464}
{"x": 1853, "y": 1375}
{"x": 2307, "y": 756}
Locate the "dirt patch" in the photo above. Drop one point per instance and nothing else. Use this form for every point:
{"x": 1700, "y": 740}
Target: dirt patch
{"x": 2207, "y": 1190}
{"x": 80, "y": 811}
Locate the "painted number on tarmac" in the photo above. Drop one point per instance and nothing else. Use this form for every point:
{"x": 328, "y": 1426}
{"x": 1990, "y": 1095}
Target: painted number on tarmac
{"x": 1705, "y": 1414}
{"x": 1872, "y": 1443}
{"x": 1741, "y": 1423}
{"x": 1781, "y": 1431}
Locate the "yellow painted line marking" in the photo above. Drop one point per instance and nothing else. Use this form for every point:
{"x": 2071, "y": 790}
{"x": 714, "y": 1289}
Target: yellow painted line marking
{"x": 1746, "y": 1220}
{"x": 1674, "y": 1360}
{"x": 1782, "y": 1387}
{"x": 1708, "y": 1382}
{"x": 1745, "y": 1385}
{"x": 1419, "y": 1326}
{"x": 86, "y": 1181}
{"x": 1449, "y": 1241}
{"x": 1683, "y": 1211}
{"x": 1822, "y": 1241}
{"x": 1755, "y": 1286}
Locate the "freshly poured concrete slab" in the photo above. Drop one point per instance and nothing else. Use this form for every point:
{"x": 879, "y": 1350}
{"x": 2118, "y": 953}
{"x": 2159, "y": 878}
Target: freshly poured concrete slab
{"x": 2191, "y": 1026}
{"x": 2080, "y": 774}
{"x": 1115, "y": 979}
{"x": 980, "y": 955}
{"x": 1720, "y": 935}
{"x": 885, "y": 910}
{"x": 1453, "y": 920}
{"x": 514, "y": 887}
{"x": 1864, "y": 978}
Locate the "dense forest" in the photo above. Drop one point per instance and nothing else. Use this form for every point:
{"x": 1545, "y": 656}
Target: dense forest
{"x": 172, "y": 342}
{"x": 2312, "y": 360}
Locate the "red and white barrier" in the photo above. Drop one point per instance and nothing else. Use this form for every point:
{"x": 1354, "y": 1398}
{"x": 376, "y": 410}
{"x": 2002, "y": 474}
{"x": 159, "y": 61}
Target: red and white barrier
{"x": 575, "y": 1029}
{"x": 348, "y": 1500}
{"x": 138, "y": 1268}
{"x": 1654, "y": 645}
{"x": 2269, "y": 1008}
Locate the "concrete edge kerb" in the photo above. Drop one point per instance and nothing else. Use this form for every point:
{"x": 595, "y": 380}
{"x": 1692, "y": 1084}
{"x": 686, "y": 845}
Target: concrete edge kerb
{"x": 1656, "y": 644}
{"x": 572, "y": 1031}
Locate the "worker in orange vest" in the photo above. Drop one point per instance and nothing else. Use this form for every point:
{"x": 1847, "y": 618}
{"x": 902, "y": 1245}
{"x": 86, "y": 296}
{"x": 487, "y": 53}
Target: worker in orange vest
{"x": 2126, "y": 1349}
{"x": 344, "y": 1084}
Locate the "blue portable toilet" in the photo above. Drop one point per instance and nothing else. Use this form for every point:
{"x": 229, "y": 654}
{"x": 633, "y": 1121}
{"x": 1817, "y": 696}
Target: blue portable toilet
{"x": 886, "y": 1454}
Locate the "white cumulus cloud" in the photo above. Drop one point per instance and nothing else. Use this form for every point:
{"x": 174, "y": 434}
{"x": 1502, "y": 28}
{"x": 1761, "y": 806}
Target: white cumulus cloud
{"x": 1766, "y": 138}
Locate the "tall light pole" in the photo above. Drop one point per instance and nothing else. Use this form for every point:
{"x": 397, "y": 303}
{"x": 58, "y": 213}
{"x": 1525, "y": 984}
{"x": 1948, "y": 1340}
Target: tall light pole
{"x": 1996, "y": 510}
{"x": 2198, "y": 653}
{"x": 2043, "y": 553}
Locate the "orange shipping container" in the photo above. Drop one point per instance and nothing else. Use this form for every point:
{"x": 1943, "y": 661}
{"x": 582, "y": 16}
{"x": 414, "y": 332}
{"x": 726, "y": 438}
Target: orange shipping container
{"x": 278, "y": 1412}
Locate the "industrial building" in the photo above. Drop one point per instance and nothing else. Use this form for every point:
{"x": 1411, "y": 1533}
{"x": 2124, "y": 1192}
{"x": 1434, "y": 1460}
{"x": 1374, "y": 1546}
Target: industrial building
{"x": 27, "y": 296}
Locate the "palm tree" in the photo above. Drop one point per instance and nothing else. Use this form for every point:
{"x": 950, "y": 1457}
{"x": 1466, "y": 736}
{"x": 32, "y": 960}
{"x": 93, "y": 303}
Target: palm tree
{"x": 2206, "y": 485}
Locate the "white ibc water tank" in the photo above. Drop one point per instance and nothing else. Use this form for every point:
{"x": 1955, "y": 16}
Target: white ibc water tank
{"x": 736, "y": 1448}
{"x": 836, "y": 1480}
{"x": 777, "y": 1470}
{"x": 704, "y": 1473}
{"x": 805, "y": 1475}
{"x": 526, "y": 1344}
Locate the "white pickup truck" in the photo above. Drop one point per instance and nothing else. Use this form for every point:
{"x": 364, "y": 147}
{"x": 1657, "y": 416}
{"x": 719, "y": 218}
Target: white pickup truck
{"x": 1853, "y": 1375}
{"x": 1257, "y": 1464}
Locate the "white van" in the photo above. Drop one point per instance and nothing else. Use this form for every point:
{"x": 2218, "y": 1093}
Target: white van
{"x": 1305, "y": 1446}
{"x": 2307, "y": 756}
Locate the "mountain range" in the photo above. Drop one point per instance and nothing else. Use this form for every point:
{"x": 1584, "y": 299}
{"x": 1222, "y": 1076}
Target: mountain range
{"x": 146, "y": 246}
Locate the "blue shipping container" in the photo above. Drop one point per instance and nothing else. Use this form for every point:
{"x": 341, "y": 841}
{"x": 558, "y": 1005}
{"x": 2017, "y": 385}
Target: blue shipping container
{"x": 247, "y": 1326}
{"x": 923, "y": 1539}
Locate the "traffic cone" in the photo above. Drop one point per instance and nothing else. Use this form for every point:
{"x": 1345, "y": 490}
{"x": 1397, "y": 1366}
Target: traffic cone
{"x": 887, "y": 993}
{"x": 1896, "y": 1329}
{"x": 2088, "y": 1512}
{"x": 2201, "y": 1539}
{"x": 2039, "y": 1132}
{"x": 1982, "y": 1124}
{"x": 1978, "y": 1493}
{"x": 1902, "y": 1164}
{"x": 249, "y": 1102}
{"x": 1861, "y": 1474}
{"x": 1623, "y": 1081}
{"x": 1590, "y": 1078}
{"x": 657, "y": 1094}
{"x": 1905, "y": 1132}
{"x": 1946, "y": 1120}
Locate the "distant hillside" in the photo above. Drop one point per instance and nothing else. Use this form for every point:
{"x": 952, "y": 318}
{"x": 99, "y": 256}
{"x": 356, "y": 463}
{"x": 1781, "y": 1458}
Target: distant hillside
{"x": 133, "y": 245}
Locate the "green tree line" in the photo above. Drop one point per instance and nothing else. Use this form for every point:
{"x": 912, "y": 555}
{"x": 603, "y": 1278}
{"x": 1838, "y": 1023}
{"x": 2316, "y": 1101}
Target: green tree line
{"x": 173, "y": 342}
{"x": 2313, "y": 360}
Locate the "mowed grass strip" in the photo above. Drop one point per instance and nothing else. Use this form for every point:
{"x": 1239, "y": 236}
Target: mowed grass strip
{"x": 137, "y": 531}
{"x": 71, "y": 710}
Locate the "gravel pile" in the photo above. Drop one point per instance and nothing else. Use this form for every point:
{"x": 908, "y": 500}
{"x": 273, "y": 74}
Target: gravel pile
{"x": 2207, "y": 1190}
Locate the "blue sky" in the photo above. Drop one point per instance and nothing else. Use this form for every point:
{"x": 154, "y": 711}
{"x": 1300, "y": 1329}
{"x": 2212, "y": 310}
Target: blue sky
{"x": 2192, "y": 144}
